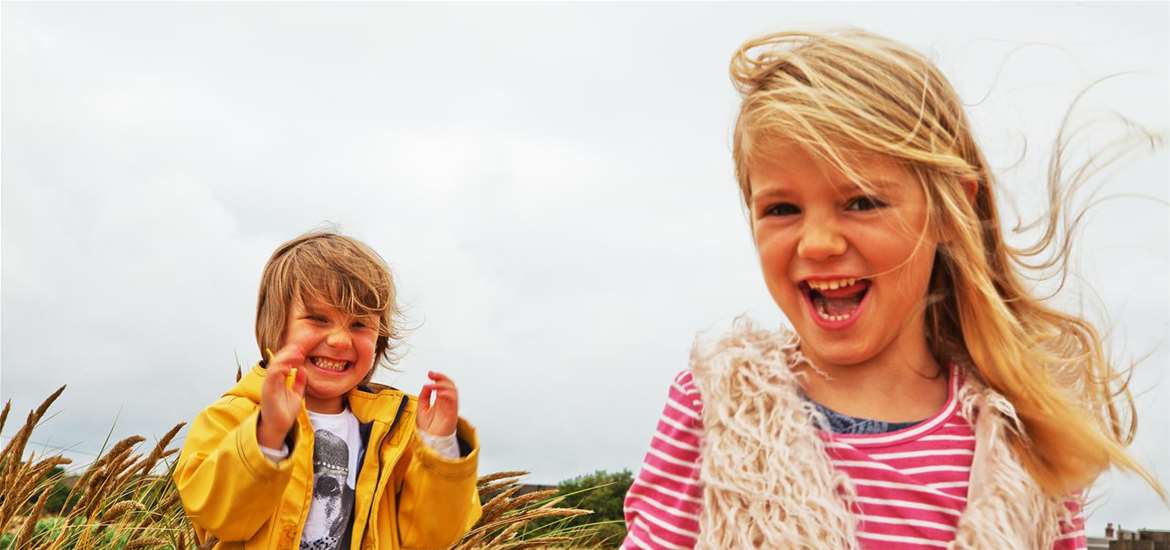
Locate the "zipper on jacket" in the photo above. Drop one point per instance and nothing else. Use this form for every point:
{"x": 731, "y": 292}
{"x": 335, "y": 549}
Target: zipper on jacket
{"x": 378, "y": 449}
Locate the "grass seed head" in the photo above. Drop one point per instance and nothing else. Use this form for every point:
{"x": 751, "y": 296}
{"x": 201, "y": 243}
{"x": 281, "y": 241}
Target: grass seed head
{"x": 4, "y": 413}
{"x": 118, "y": 509}
{"x": 160, "y": 449}
{"x": 48, "y": 402}
{"x": 498, "y": 504}
{"x": 507, "y": 534}
{"x": 500, "y": 475}
{"x": 145, "y": 542}
{"x": 16, "y": 494}
{"x": 30, "y": 522}
{"x": 535, "y": 496}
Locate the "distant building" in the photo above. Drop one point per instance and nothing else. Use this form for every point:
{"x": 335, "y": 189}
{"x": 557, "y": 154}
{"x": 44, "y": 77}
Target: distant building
{"x": 1121, "y": 539}
{"x": 1161, "y": 539}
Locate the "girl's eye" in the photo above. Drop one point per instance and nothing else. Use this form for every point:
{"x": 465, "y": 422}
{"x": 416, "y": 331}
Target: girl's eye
{"x": 781, "y": 209}
{"x": 864, "y": 203}
{"x": 317, "y": 318}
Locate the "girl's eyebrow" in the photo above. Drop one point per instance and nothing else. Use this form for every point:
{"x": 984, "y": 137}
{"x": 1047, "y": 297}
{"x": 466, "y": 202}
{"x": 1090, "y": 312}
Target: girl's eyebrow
{"x": 878, "y": 184}
{"x": 770, "y": 193}
{"x": 842, "y": 185}
{"x": 850, "y": 188}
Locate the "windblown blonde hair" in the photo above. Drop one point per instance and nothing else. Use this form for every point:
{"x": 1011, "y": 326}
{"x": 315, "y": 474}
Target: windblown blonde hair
{"x": 336, "y": 269}
{"x": 842, "y": 93}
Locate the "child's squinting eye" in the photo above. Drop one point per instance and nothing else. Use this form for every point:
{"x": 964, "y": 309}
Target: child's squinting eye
{"x": 864, "y": 203}
{"x": 781, "y": 209}
{"x": 365, "y": 323}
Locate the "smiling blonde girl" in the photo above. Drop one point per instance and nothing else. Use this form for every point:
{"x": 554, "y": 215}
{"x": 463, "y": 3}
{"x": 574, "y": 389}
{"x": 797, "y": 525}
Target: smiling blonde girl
{"x": 925, "y": 398}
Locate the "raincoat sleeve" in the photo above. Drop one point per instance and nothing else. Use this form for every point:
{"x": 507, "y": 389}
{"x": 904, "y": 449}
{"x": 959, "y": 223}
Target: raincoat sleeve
{"x": 438, "y": 502}
{"x": 228, "y": 487}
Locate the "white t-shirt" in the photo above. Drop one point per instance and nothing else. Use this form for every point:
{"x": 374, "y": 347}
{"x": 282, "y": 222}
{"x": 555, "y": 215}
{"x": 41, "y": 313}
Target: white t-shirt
{"x": 337, "y": 447}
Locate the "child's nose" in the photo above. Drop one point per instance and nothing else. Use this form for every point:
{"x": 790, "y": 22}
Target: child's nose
{"x": 338, "y": 338}
{"x": 821, "y": 241}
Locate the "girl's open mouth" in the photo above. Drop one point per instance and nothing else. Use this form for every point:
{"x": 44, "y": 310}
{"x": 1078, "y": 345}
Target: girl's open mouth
{"x": 835, "y": 304}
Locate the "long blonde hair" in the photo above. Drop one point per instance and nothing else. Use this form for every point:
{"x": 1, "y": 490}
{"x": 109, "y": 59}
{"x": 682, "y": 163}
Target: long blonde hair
{"x": 853, "y": 91}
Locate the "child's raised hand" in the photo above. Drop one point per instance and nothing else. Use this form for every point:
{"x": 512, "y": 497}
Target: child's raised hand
{"x": 438, "y": 418}
{"x": 280, "y": 403}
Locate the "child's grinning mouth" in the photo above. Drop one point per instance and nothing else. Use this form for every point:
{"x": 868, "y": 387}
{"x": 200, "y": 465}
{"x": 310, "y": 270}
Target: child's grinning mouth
{"x": 836, "y": 304}
{"x": 329, "y": 364}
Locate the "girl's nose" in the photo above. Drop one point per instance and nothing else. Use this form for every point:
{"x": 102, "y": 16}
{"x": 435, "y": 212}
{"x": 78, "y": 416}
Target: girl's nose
{"x": 820, "y": 241}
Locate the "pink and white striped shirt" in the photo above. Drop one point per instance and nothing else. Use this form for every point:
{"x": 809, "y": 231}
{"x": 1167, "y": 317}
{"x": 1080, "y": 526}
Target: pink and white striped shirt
{"x": 911, "y": 483}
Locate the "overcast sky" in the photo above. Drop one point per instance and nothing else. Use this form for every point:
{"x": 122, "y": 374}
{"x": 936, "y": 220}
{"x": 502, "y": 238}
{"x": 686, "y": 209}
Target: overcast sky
{"x": 551, "y": 185}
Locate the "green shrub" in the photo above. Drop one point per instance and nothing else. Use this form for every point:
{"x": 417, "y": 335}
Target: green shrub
{"x": 604, "y": 493}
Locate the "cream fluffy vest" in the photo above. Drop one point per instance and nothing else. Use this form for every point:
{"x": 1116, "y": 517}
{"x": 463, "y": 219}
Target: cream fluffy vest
{"x": 767, "y": 480}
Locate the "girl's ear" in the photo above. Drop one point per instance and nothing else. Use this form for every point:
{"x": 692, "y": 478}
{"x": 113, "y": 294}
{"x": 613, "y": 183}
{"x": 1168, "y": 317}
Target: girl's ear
{"x": 970, "y": 188}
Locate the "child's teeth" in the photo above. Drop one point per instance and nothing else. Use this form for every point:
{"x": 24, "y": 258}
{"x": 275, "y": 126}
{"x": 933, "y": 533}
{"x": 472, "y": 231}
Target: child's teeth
{"x": 831, "y": 285}
{"x": 826, "y": 316}
{"x": 329, "y": 365}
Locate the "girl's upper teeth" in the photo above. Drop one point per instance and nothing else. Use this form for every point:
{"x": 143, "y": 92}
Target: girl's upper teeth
{"x": 830, "y": 285}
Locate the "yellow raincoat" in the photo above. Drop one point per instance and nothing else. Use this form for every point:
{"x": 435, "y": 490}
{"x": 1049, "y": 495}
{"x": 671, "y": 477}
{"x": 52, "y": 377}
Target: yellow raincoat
{"x": 407, "y": 496}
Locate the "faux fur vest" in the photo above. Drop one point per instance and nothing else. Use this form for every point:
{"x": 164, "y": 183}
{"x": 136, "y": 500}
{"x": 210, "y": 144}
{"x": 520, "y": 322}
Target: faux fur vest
{"x": 768, "y": 482}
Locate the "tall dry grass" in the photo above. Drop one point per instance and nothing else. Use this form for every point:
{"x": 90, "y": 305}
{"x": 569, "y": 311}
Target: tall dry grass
{"x": 126, "y": 500}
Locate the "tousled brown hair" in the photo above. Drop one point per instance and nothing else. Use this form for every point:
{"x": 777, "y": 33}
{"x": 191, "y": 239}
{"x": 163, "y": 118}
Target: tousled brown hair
{"x": 341, "y": 271}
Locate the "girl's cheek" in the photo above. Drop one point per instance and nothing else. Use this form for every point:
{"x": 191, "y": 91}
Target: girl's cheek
{"x": 773, "y": 246}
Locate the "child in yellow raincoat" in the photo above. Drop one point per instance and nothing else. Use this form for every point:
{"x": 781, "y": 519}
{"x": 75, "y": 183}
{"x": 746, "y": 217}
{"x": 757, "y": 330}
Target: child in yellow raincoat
{"x": 305, "y": 453}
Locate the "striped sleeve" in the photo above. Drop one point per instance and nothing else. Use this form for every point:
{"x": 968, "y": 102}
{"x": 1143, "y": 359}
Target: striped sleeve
{"x": 662, "y": 506}
{"x": 1072, "y": 533}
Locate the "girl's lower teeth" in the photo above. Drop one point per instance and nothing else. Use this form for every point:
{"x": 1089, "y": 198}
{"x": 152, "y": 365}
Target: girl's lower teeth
{"x": 827, "y": 316}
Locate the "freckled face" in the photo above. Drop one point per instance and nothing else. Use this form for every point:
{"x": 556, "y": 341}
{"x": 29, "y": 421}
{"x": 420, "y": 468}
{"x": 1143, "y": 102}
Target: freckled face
{"x": 849, "y": 267}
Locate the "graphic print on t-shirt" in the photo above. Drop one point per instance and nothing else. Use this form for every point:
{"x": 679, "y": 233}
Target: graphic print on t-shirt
{"x": 328, "y": 520}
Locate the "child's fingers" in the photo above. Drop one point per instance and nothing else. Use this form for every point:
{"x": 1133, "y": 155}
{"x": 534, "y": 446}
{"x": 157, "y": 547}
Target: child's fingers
{"x": 287, "y": 366}
{"x": 292, "y": 352}
{"x": 441, "y": 380}
{"x": 276, "y": 369}
{"x": 446, "y": 405}
{"x": 424, "y": 399}
{"x": 285, "y": 382}
{"x": 446, "y": 393}
{"x": 299, "y": 382}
